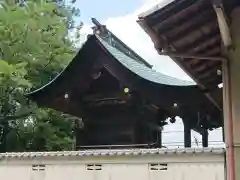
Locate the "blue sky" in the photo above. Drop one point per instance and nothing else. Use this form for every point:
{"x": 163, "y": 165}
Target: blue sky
{"x": 101, "y": 10}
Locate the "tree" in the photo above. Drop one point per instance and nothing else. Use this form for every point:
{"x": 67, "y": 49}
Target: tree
{"x": 67, "y": 9}
{"x": 34, "y": 48}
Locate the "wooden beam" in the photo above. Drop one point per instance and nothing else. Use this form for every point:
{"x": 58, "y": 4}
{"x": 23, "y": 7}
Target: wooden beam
{"x": 104, "y": 96}
{"x": 208, "y": 43}
{"x": 192, "y": 74}
{"x": 213, "y": 51}
{"x": 222, "y": 23}
{"x": 209, "y": 71}
{"x": 203, "y": 66}
{"x": 204, "y": 52}
{"x": 191, "y": 35}
{"x": 159, "y": 46}
{"x": 193, "y": 24}
{"x": 175, "y": 20}
{"x": 189, "y": 56}
{"x": 198, "y": 65}
{"x": 199, "y": 41}
{"x": 104, "y": 102}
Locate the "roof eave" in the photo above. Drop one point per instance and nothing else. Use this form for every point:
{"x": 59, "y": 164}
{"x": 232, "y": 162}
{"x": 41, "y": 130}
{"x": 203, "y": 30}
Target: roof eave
{"x": 160, "y": 42}
{"x": 157, "y": 7}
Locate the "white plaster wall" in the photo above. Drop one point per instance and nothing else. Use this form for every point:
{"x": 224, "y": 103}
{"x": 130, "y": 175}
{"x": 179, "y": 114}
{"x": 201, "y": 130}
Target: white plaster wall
{"x": 177, "y": 167}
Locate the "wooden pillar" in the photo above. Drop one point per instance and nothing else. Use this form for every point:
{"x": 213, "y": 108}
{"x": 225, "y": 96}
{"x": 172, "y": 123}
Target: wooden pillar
{"x": 159, "y": 139}
{"x": 231, "y": 99}
{"x": 187, "y": 135}
{"x": 79, "y": 135}
{"x": 205, "y": 138}
{"x": 79, "y": 138}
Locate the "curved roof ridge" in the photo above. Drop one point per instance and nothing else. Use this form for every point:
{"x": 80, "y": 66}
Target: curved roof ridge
{"x": 129, "y": 63}
{"x": 103, "y": 32}
{"x": 58, "y": 75}
{"x": 141, "y": 70}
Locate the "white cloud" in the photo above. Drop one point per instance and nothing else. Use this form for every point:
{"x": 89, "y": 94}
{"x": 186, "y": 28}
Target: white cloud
{"x": 127, "y": 29}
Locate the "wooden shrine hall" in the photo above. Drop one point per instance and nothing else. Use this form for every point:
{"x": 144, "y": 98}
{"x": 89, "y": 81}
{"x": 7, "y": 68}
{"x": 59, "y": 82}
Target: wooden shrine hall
{"x": 122, "y": 101}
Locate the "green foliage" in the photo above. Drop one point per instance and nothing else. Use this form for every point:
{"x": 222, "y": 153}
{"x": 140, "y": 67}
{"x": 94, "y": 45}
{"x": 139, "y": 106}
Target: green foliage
{"x": 34, "y": 48}
{"x": 67, "y": 9}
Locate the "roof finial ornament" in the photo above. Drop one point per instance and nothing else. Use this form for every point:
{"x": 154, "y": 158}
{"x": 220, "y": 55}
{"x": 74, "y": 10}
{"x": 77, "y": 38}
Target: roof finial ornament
{"x": 98, "y": 28}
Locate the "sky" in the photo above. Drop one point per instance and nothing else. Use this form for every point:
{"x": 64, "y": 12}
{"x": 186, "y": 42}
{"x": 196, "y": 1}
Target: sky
{"x": 120, "y": 17}
{"x": 106, "y": 8}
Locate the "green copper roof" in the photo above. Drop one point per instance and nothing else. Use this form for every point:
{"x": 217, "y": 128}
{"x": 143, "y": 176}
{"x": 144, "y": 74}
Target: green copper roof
{"x": 134, "y": 66}
{"x": 142, "y": 70}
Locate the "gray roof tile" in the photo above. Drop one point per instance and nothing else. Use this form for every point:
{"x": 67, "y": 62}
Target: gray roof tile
{"x": 116, "y": 152}
{"x": 142, "y": 70}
